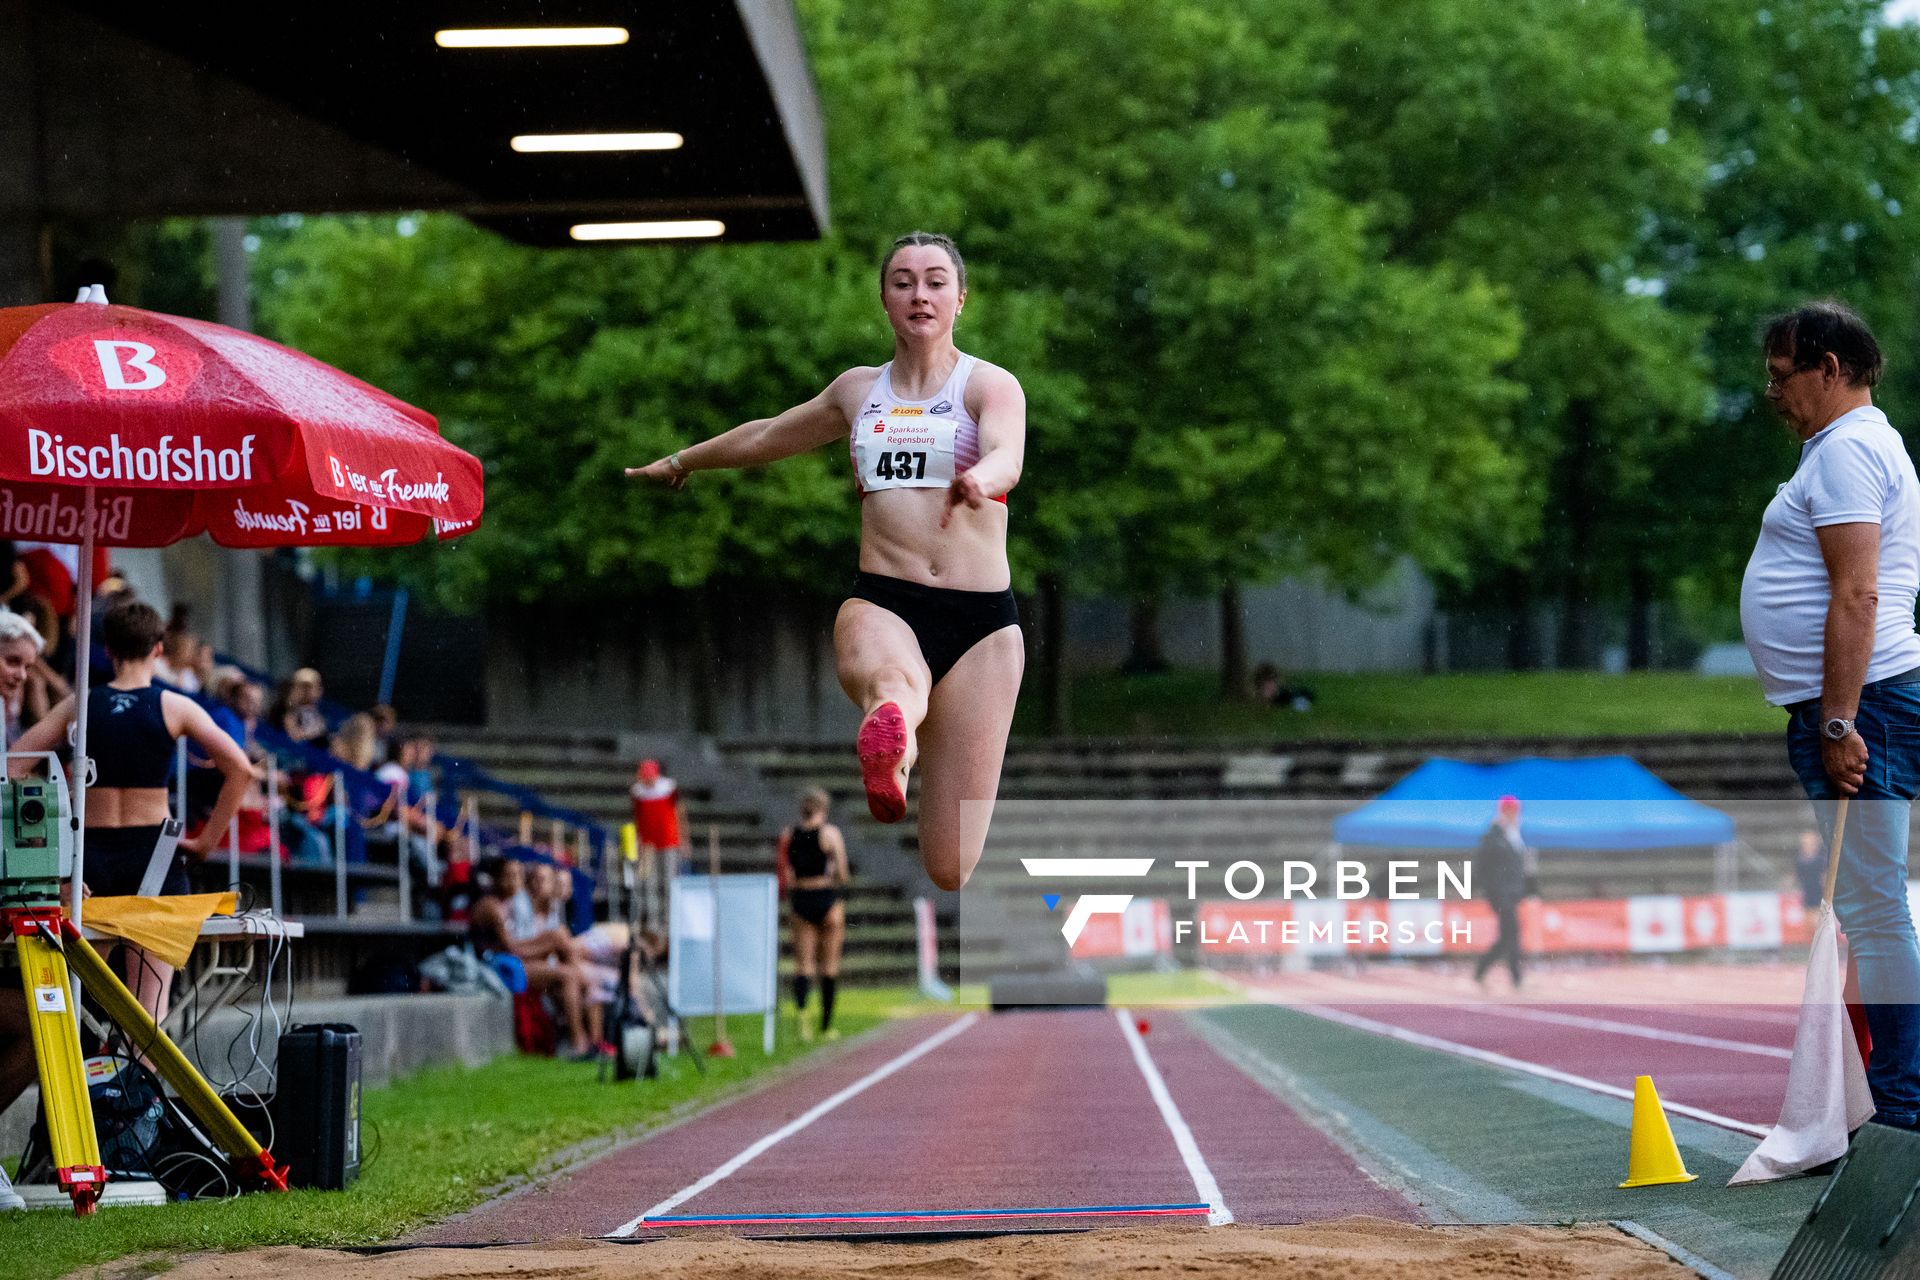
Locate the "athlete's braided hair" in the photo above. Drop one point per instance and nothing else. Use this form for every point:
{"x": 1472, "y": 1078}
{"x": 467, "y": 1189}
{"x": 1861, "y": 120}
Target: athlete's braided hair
{"x": 933, "y": 238}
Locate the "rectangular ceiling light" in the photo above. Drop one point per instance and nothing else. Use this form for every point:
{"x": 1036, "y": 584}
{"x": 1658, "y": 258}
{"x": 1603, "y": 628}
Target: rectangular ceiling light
{"x": 598, "y": 142}
{"x": 690, "y": 229}
{"x": 527, "y": 37}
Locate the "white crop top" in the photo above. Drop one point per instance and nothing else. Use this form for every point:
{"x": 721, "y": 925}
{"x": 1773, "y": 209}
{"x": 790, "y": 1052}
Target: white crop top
{"x": 914, "y": 444}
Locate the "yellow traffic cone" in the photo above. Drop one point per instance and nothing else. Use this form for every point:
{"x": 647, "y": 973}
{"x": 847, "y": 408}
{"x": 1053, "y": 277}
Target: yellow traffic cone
{"x": 1653, "y": 1159}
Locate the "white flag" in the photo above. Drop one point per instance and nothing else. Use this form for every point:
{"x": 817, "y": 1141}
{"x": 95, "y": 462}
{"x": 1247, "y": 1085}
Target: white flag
{"x": 1827, "y": 1096}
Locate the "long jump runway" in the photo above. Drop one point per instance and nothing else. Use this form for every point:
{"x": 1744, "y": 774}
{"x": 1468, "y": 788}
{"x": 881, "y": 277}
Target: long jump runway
{"x": 1006, "y": 1121}
{"x": 1505, "y": 1109}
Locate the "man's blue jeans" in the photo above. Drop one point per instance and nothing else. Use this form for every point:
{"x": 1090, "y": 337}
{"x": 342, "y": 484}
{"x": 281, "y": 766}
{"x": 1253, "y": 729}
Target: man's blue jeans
{"x": 1870, "y": 893}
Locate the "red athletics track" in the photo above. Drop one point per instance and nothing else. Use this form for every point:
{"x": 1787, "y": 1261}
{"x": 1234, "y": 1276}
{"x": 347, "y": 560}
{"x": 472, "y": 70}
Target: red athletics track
{"x": 1016, "y": 1111}
{"x": 1723, "y": 1063}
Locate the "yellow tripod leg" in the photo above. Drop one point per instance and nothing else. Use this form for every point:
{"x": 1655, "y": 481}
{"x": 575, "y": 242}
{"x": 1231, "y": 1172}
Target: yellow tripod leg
{"x": 63, "y": 1075}
{"x": 131, "y": 1017}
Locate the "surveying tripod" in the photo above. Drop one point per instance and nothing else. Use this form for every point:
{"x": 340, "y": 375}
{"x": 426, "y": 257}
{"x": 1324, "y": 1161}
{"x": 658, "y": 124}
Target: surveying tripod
{"x": 36, "y": 854}
{"x": 636, "y": 1043}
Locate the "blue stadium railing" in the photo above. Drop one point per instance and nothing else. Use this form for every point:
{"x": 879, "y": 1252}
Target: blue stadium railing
{"x": 457, "y": 772}
{"x": 366, "y": 793}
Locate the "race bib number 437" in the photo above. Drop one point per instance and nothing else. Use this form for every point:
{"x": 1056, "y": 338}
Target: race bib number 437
{"x": 904, "y": 452}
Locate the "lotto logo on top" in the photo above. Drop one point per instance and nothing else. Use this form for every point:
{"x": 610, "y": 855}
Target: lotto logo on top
{"x": 136, "y": 365}
{"x": 907, "y": 411}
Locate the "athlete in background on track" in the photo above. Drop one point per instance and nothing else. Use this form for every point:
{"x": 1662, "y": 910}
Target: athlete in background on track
{"x": 929, "y": 643}
{"x": 812, "y": 859}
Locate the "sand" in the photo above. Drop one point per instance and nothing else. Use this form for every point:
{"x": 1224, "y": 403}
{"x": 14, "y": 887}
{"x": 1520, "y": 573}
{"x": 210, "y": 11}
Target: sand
{"x": 1348, "y": 1249}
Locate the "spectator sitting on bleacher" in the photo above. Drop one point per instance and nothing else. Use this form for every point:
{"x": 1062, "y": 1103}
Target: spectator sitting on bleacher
{"x": 19, "y": 652}
{"x": 548, "y": 973}
{"x": 408, "y": 780}
{"x": 303, "y": 796}
{"x": 531, "y": 915}
{"x": 549, "y": 892}
{"x": 204, "y": 778}
{"x": 353, "y": 746}
{"x": 386, "y": 727}
{"x": 416, "y": 754}
{"x": 296, "y": 711}
{"x": 13, "y": 575}
{"x": 44, "y": 686}
{"x": 178, "y": 663}
{"x": 240, "y": 717}
{"x": 244, "y": 701}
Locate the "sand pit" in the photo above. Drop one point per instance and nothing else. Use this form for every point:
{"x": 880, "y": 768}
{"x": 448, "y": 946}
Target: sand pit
{"x": 1348, "y": 1249}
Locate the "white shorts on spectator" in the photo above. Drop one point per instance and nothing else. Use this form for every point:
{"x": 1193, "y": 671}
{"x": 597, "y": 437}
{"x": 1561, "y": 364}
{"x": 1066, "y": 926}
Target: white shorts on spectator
{"x": 1827, "y": 1096}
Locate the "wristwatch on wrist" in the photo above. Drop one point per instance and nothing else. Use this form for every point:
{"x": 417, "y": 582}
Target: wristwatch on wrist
{"x": 1837, "y": 728}
{"x": 673, "y": 460}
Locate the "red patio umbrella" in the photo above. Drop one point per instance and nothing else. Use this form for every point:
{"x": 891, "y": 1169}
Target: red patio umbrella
{"x": 129, "y": 428}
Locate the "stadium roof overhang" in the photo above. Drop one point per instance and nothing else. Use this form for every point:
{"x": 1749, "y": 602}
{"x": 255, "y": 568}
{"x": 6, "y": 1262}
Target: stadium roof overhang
{"x": 122, "y": 110}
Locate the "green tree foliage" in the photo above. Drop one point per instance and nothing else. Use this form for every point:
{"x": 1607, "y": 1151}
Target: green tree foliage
{"x": 1262, "y": 390}
{"x": 1226, "y": 374}
{"x": 1533, "y": 142}
{"x": 559, "y": 368}
{"x": 1807, "y": 113}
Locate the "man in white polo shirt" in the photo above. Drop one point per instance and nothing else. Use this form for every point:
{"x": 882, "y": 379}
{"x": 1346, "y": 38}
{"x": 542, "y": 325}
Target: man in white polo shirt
{"x": 1827, "y": 608}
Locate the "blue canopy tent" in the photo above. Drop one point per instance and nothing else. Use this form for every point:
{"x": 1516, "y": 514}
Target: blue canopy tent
{"x": 1607, "y": 802}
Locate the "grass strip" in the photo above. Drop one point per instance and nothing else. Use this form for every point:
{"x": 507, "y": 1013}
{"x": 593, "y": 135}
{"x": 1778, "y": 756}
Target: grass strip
{"x": 1387, "y": 707}
{"x": 435, "y": 1143}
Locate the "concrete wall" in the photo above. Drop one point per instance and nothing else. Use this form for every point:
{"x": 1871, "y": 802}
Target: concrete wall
{"x": 636, "y": 670}
{"x": 771, "y": 671}
{"x": 1296, "y": 624}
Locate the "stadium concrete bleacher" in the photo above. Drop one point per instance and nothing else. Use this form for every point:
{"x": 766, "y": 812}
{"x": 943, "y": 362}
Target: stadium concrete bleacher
{"x": 1207, "y": 799}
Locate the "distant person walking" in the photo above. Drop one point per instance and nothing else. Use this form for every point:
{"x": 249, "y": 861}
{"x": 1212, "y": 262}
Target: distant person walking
{"x": 1827, "y": 608}
{"x": 1500, "y": 873}
{"x": 813, "y": 868}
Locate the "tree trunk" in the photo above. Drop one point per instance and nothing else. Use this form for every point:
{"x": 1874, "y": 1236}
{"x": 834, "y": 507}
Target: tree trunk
{"x": 1055, "y": 705}
{"x": 703, "y": 671}
{"x": 1521, "y": 652}
{"x": 1639, "y": 617}
{"x": 1576, "y": 648}
{"x": 1233, "y": 645}
{"x": 1145, "y": 655}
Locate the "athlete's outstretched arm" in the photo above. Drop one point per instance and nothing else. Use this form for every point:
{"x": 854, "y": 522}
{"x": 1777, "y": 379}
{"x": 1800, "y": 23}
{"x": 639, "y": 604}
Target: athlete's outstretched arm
{"x": 819, "y": 421}
{"x": 1002, "y": 415}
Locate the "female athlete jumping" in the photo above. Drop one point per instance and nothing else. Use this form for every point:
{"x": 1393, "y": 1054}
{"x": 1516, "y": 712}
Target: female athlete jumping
{"x": 929, "y": 643}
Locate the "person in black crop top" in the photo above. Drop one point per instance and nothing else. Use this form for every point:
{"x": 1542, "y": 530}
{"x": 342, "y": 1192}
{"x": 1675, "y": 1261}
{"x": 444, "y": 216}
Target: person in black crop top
{"x": 813, "y": 866}
{"x": 131, "y": 730}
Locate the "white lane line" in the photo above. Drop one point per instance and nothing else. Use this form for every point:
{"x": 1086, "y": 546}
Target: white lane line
{"x": 1682, "y": 1256}
{"x": 800, "y": 1122}
{"x": 1518, "y": 1064}
{"x": 1217, "y": 1212}
{"x": 1636, "y": 1029}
